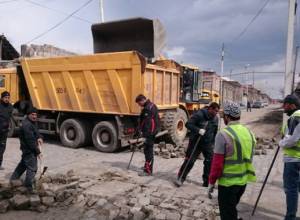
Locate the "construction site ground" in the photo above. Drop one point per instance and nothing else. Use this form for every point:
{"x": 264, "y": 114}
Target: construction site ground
{"x": 89, "y": 163}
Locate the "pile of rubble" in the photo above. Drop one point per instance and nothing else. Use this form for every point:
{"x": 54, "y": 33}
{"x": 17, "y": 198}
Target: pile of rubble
{"x": 263, "y": 144}
{"x": 112, "y": 195}
{"x": 168, "y": 151}
{"x": 51, "y": 191}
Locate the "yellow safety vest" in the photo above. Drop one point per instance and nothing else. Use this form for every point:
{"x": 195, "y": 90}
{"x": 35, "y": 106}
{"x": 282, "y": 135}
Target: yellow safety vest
{"x": 292, "y": 151}
{"x": 238, "y": 168}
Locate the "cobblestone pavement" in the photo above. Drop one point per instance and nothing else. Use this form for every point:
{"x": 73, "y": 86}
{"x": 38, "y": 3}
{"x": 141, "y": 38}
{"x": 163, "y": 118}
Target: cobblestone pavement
{"x": 90, "y": 162}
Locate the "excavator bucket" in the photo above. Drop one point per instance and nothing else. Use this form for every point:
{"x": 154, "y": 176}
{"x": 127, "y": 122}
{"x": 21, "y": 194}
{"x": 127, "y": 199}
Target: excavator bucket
{"x": 143, "y": 35}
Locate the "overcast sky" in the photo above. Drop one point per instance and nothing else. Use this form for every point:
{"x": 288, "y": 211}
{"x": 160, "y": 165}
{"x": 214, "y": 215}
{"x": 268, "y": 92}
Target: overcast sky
{"x": 195, "y": 29}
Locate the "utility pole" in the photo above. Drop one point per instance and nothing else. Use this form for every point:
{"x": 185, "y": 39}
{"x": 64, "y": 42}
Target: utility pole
{"x": 295, "y": 68}
{"x": 222, "y": 73}
{"x": 247, "y": 78}
{"x": 288, "y": 80}
{"x": 102, "y": 11}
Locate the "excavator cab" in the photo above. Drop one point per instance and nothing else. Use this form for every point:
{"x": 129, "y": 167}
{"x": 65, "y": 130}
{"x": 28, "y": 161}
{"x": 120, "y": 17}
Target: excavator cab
{"x": 191, "y": 84}
{"x": 146, "y": 36}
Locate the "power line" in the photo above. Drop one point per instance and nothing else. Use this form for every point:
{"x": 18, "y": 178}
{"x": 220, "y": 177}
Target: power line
{"x": 58, "y": 11}
{"x": 252, "y": 20}
{"x": 8, "y": 1}
{"x": 60, "y": 23}
{"x": 263, "y": 72}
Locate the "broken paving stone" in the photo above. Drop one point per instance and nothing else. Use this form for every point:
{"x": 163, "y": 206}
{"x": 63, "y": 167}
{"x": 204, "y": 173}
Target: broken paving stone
{"x": 48, "y": 200}
{"x": 173, "y": 155}
{"x": 258, "y": 152}
{"x": 187, "y": 212}
{"x": 173, "y": 216}
{"x": 166, "y": 205}
{"x": 143, "y": 200}
{"x": 70, "y": 173}
{"x": 198, "y": 215}
{"x": 6, "y": 193}
{"x": 101, "y": 203}
{"x": 4, "y": 205}
{"x": 155, "y": 201}
{"x": 138, "y": 215}
{"x": 16, "y": 183}
{"x": 20, "y": 202}
{"x": 160, "y": 216}
{"x": 35, "y": 200}
{"x": 90, "y": 213}
{"x": 132, "y": 202}
{"x": 40, "y": 208}
{"x": 91, "y": 202}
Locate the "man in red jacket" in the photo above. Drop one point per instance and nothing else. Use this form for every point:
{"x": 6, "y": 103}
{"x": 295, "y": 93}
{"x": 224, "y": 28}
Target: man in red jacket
{"x": 232, "y": 162}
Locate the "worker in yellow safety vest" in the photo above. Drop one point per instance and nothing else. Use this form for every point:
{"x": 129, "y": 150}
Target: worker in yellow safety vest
{"x": 290, "y": 144}
{"x": 232, "y": 162}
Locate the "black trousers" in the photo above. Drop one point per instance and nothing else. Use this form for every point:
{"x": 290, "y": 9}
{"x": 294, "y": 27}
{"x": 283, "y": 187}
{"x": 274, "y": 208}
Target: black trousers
{"x": 28, "y": 163}
{"x": 228, "y": 198}
{"x": 148, "y": 151}
{"x": 3, "y": 139}
{"x": 191, "y": 158}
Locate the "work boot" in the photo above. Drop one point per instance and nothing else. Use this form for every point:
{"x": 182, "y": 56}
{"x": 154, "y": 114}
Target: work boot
{"x": 147, "y": 171}
{"x": 178, "y": 183}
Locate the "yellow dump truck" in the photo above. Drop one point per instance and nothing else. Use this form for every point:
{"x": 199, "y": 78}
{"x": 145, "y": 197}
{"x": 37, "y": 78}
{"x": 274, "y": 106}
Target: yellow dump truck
{"x": 91, "y": 98}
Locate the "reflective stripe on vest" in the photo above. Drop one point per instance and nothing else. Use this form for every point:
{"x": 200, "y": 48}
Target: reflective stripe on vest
{"x": 292, "y": 151}
{"x": 238, "y": 168}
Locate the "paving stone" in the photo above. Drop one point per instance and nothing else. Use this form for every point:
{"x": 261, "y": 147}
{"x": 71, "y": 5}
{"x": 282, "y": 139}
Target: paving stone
{"x": 35, "y": 200}
{"x": 48, "y": 200}
{"x": 20, "y": 202}
{"x": 4, "y": 205}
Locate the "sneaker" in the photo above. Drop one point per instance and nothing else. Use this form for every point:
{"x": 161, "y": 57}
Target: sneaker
{"x": 178, "y": 183}
{"x": 2, "y": 168}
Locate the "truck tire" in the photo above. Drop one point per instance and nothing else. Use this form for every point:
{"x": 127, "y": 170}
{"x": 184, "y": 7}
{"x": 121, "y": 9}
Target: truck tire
{"x": 105, "y": 137}
{"x": 12, "y": 128}
{"x": 73, "y": 133}
{"x": 174, "y": 122}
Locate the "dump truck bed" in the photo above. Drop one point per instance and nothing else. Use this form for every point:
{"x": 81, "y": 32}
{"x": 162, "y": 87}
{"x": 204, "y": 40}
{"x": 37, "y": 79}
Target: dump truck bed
{"x": 100, "y": 83}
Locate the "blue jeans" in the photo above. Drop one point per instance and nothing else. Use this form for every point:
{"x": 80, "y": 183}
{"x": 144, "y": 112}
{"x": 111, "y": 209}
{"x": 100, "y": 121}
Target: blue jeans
{"x": 291, "y": 175}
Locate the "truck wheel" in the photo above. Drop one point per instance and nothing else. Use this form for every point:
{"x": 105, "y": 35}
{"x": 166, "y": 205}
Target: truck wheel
{"x": 174, "y": 122}
{"x": 73, "y": 133}
{"x": 12, "y": 128}
{"x": 105, "y": 137}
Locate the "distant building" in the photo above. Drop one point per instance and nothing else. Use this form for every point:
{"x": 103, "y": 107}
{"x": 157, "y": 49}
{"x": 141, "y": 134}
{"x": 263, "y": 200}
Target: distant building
{"x": 211, "y": 81}
{"x": 45, "y": 50}
{"x": 232, "y": 91}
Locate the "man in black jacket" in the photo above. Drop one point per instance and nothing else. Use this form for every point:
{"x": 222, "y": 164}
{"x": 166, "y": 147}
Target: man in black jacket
{"x": 30, "y": 140}
{"x": 204, "y": 125}
{"x": 6, "y": 110}
{"x": 149, "y": 127}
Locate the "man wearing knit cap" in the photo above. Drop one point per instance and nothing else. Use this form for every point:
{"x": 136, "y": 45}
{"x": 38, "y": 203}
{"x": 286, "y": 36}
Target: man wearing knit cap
{"x": 291, "y": 149}
{"x": 232, "y": 162}
{"x": 6, "y": 110}
{"x": 30, "y": 140}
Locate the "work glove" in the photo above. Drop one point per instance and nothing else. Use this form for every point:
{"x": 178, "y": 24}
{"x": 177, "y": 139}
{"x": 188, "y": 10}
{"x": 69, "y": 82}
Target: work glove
{"x": 202, "y": 131}
{"x": 210, "y": 191}
{"x": 281, "y": 142}
{"x": 40, "y": 141}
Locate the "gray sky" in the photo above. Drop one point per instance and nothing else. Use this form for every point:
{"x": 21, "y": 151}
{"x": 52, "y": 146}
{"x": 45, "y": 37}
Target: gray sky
{"x": 195, "y": 29}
